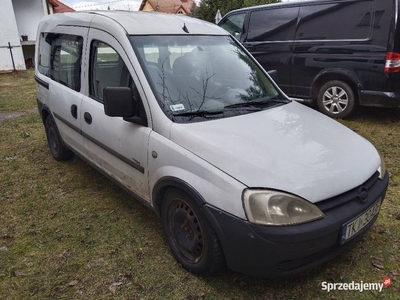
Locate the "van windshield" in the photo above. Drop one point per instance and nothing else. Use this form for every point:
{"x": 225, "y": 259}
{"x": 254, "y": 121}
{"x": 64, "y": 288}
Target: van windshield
{"x": 196, "y": 78}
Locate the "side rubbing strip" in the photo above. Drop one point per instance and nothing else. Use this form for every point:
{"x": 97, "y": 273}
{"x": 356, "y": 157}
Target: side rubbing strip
{"x": 101, "y": 145}
{"x": 42, "y": 82}
{"x": 68, "y": 123}
{"x": 116, "y": 154}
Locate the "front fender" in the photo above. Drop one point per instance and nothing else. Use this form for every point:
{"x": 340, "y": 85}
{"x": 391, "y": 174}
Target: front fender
{"x": 170, "y": 165}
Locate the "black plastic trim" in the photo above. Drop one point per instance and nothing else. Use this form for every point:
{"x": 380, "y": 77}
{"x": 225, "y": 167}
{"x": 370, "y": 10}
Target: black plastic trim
{"x": 276, "y": 251}
{"x": 115, "y": 181}
{"x": 101, "y": 145}
{"x": 42, "y": 82}
{"x": 69, "y": 124}
{"x": 169, "y": 181}
{"x": 115, "y": 153}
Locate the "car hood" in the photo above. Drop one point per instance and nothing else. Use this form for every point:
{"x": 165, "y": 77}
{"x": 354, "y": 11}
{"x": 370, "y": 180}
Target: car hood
{"x": 290, "y": 148}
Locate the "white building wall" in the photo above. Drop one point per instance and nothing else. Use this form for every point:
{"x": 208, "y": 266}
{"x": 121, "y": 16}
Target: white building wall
{"x": 28, "y": 14}
{"x": 9, "y": 34}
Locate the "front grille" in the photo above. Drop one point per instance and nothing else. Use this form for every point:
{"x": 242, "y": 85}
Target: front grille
{"x": 344, "y": 198}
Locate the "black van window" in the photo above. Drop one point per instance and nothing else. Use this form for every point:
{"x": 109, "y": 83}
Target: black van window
{"x": 272, "y": 24}
{"x": 107, "y": 69}
{"x": 335, "y": 21}
{"x": 60, "y": 58}
{"x": 234, "y": 24}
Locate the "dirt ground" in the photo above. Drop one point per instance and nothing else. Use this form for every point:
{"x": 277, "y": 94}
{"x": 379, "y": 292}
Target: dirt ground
{"x": 14, "y": 114}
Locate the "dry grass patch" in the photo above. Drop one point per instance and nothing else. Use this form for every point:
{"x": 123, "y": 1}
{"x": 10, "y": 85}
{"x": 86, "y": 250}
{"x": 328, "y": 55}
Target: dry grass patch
{"x": 17, "y": 91}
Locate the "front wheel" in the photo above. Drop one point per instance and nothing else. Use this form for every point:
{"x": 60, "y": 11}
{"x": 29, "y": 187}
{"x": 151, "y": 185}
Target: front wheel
{"x": 336, "y": 99}
{"x": 192, "y": 240}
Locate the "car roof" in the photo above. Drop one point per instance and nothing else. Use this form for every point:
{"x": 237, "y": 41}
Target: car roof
{"x": 138, "y": 22}
{"x": 278, "y": 4}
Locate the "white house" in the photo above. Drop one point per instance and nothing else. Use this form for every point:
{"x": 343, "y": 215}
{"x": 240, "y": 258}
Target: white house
{"x": 18, "y": 25}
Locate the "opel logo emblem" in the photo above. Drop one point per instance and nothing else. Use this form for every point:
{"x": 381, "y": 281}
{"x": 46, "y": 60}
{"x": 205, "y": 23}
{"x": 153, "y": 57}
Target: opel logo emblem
{"x": 363, "y": 194}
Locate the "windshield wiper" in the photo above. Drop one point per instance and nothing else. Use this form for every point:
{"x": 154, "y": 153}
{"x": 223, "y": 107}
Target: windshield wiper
{"x": 200, "y": 113}
{"x": 257, "y": 103}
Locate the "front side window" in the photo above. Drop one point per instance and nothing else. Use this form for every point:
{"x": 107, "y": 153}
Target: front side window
{"x": 234, "y": 24}
{"x": 200, "y": 77}
{"x": 107, "y": 70}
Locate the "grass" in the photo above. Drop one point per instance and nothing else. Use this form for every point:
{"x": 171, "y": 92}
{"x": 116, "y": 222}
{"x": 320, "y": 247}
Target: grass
{"x": 66, "y": 232}
{"x": 18, "y": 91}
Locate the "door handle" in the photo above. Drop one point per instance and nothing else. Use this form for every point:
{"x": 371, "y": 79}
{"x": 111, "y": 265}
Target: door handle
{"x": 74, "y": 111}
{"x": 87, "y": 117}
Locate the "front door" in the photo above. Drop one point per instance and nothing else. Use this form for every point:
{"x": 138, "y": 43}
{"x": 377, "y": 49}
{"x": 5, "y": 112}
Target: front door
{"x": 117, "y": 147}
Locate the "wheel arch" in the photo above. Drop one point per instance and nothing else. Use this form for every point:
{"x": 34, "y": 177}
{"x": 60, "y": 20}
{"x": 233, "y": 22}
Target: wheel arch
{"x": 344, "y": 75}
{"x": 163, "y": 184}
{"x": 45, "y": 112}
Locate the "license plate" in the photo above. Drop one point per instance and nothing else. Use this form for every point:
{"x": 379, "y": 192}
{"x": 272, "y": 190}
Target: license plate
{"x": 351, "y": 228}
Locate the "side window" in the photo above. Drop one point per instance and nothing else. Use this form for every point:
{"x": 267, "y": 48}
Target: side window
{"x": 44, "y": 54}
{"x": 107, "y": 69}
{"x": 65, "y": 59}
{"x": 320, "y": 22}
{"x": 234, "y": 24}
{"x": 273, "y": 25}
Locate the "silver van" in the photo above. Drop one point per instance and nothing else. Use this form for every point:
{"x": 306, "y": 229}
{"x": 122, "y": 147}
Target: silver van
{"x": 179, "y": 114}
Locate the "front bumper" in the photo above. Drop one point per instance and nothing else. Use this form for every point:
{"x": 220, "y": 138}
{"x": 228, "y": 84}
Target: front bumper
{"x": 269, "y": 251}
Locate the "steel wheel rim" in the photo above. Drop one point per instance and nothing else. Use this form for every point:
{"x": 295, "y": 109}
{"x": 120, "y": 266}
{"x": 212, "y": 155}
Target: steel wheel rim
{"x": 185, "y": 231}
{"x": 335, "y": 100}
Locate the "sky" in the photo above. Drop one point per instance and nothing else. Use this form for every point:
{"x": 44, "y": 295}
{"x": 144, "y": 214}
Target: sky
{"x": 103, "y": 4}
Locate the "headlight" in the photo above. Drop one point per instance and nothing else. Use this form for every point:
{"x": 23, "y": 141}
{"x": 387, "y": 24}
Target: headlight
{"x": 278, "y": 209}
{"x": 382, "y": 167}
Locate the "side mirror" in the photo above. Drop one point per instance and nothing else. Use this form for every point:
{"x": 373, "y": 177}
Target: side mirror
{"x": 236, "y": 35}
{"x": 273, "y": 74}
{"x": 118, "y": 102}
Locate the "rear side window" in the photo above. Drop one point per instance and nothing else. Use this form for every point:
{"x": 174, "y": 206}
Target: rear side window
{"x": 107, "y": 69}
{"x": 60, "y": 57}
{"x": 273, "y": 25}
{"x": 337, "y": 21}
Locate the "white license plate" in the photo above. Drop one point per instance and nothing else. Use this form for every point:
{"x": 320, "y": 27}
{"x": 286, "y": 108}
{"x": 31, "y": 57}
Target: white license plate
{"x": 351, "y": 228}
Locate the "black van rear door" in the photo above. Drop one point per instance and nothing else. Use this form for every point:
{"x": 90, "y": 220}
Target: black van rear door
{"x": 270, "y": 37}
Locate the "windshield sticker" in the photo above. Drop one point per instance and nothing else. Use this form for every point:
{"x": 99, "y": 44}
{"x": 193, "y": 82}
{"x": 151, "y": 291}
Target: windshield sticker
{"x": 177, "y": 107}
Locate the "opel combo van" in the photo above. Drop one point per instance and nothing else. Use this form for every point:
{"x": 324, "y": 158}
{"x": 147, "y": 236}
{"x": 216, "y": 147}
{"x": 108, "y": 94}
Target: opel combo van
{"x": 178, "y": 113}
{"x": 336, "y": 54}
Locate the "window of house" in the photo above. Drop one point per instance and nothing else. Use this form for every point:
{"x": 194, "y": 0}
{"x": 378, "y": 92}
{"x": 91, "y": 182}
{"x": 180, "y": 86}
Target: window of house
{"x": 107, "y": 70}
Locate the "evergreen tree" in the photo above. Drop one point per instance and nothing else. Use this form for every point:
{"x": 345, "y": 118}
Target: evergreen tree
{"x": 207, "y": 9}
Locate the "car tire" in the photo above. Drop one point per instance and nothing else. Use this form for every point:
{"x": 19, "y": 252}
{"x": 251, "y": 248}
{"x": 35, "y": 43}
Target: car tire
{"x": 191, "y": 238}
{"x": 336, "y": 99}
{"x": 56, "y": 146}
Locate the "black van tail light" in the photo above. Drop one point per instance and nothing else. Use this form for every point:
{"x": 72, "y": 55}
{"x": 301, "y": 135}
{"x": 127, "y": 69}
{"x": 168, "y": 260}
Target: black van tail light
{"x": 392, "y": 64}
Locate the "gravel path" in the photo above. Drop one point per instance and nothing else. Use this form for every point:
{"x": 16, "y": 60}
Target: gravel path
{"x": 14, "y": 114}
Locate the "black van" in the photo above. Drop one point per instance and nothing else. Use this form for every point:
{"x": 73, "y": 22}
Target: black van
{"x": 335, "y": 53}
